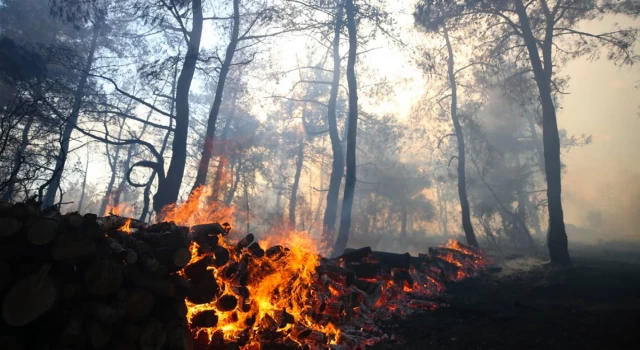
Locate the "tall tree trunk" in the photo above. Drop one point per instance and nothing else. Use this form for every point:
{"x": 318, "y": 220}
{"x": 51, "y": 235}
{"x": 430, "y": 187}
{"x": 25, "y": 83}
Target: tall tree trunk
{"x": 223, "y": 148}
{"x": 113, "y": 163}
{"x": 246, "y": 199}
{"x": 54, "y": 182}
{"x": 294, "y": 188}
{"x": 523, "y": 205}
{"x": 120, "y": 190}
{"x": 350, "y": 180}
{"x": 207, "y": 150}
{"x": 557, "y": 239}
{"x": 18, "y": 160}
{"x": 147, "y": 189}
{"x": 337, "y": 166}
{"x": 234, "y": 187}
{"x": 169, "y": 186}
{"x": 536, "y": 140}
{"x": 84, "y": 184}
{"x": 462, "y": 181}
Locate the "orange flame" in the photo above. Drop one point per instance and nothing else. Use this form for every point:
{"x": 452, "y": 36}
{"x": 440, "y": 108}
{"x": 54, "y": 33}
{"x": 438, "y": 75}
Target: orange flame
{"x": 121, "y": 209}
{"x": 126, "y": 227}
{"x": 198, "y": 209}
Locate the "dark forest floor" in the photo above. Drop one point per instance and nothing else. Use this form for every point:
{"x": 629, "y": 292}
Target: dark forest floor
{"x": 593, "y": 305}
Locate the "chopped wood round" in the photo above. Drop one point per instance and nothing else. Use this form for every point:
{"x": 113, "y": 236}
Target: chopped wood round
{"x": 71, "y": 246}
{"x": 98, "y": 334}
{"x": 153, "y": 336}
{"x": 9, "y": 226}
{"x": 28, "y": 299}
{"x": 5, "y": 275}
{"x": 42, "y": 231}
{"x": 103, "y": 277}
{"x": 138, "y": 304}
{"x": 73, "y": 333}
{"x": 73, "y": 220}
{"x": 181, "y": 257}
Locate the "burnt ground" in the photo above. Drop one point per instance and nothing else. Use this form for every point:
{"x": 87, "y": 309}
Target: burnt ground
{"x": 594, "y": 304}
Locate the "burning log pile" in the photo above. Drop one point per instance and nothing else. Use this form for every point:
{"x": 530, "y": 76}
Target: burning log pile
{"x": 80, "y": 282}
{"x": 251, "y": 298}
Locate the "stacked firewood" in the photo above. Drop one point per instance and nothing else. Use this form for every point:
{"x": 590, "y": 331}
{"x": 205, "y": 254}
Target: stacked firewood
{"x": 81, "y": 282}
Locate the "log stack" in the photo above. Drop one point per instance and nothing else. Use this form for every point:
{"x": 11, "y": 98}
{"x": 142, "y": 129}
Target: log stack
{"x": 81, "y": 282}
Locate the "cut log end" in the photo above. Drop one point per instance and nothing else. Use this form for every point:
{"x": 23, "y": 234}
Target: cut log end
{"x": 9, "y": 226}
{"x": 42, "y": 231}
{"x": 28, "y": 299}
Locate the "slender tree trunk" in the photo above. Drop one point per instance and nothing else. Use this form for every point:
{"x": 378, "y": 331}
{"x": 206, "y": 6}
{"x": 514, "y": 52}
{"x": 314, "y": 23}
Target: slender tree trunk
{"x": 557, "y": 239}
{"x": 120, "y": 190}
{"x": 169, "y": 186}
{"x": 462, "y": 182}
{"x": 84, "y": 184}
{"x": 246, "y": 199}
{"x": 350, "y": 180}
{"x": 536, "y": 140}
{"x": 223, "y": 149}
{"x": 207, "y": 150}
{"x": 54, "y": 183}
{"x": 234, "y": 187}
{"x": 337, "y": 167}
{"x": 294, "y": 188}
{"x": 18, "y": 159}
{"x": 523, "y": 204}
{"x": 147, "y": 190}
{"x": 113, "y": 163}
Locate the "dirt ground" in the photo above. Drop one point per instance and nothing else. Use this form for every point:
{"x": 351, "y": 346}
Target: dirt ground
{"x": 594, "y": 304}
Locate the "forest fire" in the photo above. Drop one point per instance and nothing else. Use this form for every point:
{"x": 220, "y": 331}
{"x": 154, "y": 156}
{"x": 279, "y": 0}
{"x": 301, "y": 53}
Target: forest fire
{"x": 244, "y": 295}
{"x": 192, "y": 287}
{"x": 280, "y": 290}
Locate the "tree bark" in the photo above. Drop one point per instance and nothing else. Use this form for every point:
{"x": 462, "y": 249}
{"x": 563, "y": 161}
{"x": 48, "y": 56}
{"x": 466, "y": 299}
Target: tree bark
{"x": 84, "y": 184}
{"x": 147, "y": 190}
{"x": 557, "y": 239}
{"x": 296, "y": 183}
{"x": 207, "y": 150}
{"x": 54, "y": 183}
{"x": 169, "y": 186}
{"x": 462, "y": 182}
{"x": 337, "y": 167}
{"x": 350, "y": 180}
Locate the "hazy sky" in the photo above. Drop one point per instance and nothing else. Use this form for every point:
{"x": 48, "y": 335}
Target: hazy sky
{"x": 603, "y": 101}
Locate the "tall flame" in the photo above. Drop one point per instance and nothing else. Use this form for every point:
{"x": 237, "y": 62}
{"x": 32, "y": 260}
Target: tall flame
{"x": 199, "y": 208}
